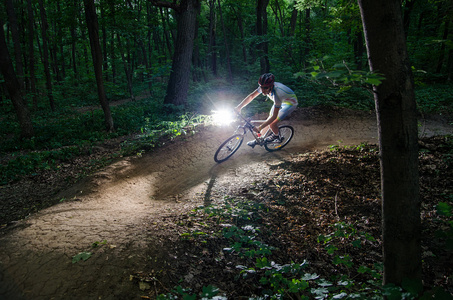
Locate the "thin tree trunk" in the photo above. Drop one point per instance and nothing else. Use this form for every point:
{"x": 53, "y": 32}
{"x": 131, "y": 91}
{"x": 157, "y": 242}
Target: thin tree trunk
{"x": 127, "y": 68}
{"x": 13, "y": 87}
{"x": 307, "y": 39}
{"x": 197, "y": 72}
{"x": 166, "y": 32}
{"x": 398, "y": 140}
{"x": 358, "y": 50}
{"x": 241, "y": 31}
{"x": 450, "y": 65}
{"x": 407, "y": 10}
{"x": 212, "y": 53}
{"x": 93, "y": 32}
{"x": 227, "y": 51}
{"x": 16, "y": 42}
{"x": 73, "y": 52}
{"x": 440, "y": 61}
{"x": 261, "y": 30}
{"x": 61, "y": 48}
{"x": 45, "y": 54}
{"x": 73, "y": 43}
{"x": 31, "y": 53}
{"x": 105, "y": 65}
{"x": 279, "y": 17}
{"x": 293, "y": 23}
{"x": 112, "y": 40}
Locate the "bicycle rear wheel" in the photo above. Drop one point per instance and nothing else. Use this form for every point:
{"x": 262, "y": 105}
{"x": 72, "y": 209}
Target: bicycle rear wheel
{"x": 286, "y": 132}
{"x": 228, "y": 148}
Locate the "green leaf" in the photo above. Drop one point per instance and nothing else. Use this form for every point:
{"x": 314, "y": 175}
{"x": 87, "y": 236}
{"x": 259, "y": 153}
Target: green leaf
{"x": 356, "y": 244}
{"x": 324, "y": 283}
{"x": 331, "y": 249}
{"x": 444, "y": 209}
{"x": 209, "y": 291}
{"x": 81, "y": 256}
{"x": 262, "y": 262}
{"x": 392, "y": 292}
{"x": 373, "y": 81}
{"x": 308, "y": 276}
{"x": 340, "y": 296}
{"x": 335, "y": 74}
{"x": 412, "y": 286}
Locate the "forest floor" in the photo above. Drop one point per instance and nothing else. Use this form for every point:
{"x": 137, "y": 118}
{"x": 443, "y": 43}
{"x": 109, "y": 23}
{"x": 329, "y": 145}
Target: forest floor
{"x": 136, "y": 229}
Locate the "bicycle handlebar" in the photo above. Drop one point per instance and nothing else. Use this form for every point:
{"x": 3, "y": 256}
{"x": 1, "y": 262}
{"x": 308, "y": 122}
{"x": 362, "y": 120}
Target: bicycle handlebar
{"x": 248, "y": 122}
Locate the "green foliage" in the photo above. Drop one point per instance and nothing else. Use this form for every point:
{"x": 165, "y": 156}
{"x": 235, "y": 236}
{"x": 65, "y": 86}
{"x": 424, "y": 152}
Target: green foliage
{"x": 24, "y": 164}
{"x": 445, "y": 212}
{"x": 290, "y": 279}
{"x": 81, "y": 256}
{"x": 208, "y": 293}
{"x": 240, "y": 223}
{"x": 434, "y": 98}
{"x": 341, "y": 75}
{"x": 64, "y": 135}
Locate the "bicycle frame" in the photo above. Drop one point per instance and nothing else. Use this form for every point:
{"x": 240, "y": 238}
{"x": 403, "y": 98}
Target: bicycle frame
{"x": 234, "y": 142}
{"x": 248, "y": 125}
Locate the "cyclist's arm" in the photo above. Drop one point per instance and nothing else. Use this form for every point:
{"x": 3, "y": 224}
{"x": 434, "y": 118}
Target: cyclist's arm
{"x": 270, "y": 119}
{"x": 247, "y": 100}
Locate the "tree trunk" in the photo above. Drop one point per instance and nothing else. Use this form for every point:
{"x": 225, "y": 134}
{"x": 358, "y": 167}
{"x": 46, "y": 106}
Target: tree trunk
{"x": 279, "y": 18}
{"x": 261, "y": 30}
{"x": 407, "y": 10}
{"x": 16, "y": 41}
{"x": 93, "y": 32}
{"x": 112, "y": 40}
{"x": 196, "y": 63}
{"x": 13, "y": 87}
{"x": 397, "y": 129}
{"x": 358, "y": 50}
{"x": 45, "y": 54}
{"x": 73, "y": 42}
{"x": 61, "y": 47}
{"x": 166, "y": 33}
{"x": 227, "y": 51}
{"x": 241, "y": 30}
{"x": 293, "y": 22}
{"x": 450, "y": 65}
{"x": 186, "y": 17}
{"x": 307, "y": 38}
{"x": 212, "y": 53}
{"x": 31, "y": 53}
{"x": 127, "y": 68}
{"x": 440, "y": 61}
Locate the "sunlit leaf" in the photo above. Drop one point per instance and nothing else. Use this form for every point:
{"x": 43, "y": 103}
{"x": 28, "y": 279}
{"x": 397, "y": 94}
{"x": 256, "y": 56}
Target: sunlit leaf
{"x": 81, "y": 256}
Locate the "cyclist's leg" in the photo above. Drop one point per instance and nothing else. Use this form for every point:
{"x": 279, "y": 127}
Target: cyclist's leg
{"x": 273, "y": 127}
{"x": 284, "y": 112}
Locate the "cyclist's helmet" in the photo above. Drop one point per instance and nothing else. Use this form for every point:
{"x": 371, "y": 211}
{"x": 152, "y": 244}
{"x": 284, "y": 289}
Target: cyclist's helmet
{"x": 266, "y": 80}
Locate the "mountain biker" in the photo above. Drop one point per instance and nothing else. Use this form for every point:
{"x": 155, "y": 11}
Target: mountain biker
{"x": 285, "y": 102}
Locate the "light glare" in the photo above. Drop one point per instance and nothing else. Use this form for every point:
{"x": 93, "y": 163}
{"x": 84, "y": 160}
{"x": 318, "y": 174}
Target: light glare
{"x": 222, "y": 117}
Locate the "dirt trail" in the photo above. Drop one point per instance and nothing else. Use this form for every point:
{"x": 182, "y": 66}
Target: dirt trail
{"x": 116, "y": 205}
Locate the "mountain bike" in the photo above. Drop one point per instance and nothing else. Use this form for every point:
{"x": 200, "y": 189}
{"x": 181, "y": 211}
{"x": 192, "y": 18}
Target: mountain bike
{"x": 234, "y": 142}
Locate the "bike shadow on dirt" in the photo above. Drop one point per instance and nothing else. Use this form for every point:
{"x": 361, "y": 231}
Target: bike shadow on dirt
{"x": 244, "y": 166}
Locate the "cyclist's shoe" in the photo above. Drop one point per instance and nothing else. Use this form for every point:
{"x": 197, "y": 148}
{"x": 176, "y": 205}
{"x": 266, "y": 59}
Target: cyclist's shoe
{"x": 252, "y": 143}
{"x": 274, "y": 138}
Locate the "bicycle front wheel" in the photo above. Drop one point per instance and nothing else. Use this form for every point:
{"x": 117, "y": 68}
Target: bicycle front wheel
{"x": 228, "y": 148}
{"x": 286, "y": 132}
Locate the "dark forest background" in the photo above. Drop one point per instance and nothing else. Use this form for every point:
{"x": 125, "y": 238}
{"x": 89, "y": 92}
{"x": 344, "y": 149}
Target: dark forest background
{"x": 82, "y": 73}
{"x": 315, "y": 47}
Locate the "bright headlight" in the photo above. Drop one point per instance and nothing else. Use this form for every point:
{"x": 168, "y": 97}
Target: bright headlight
{"x": 222, "y": 117}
